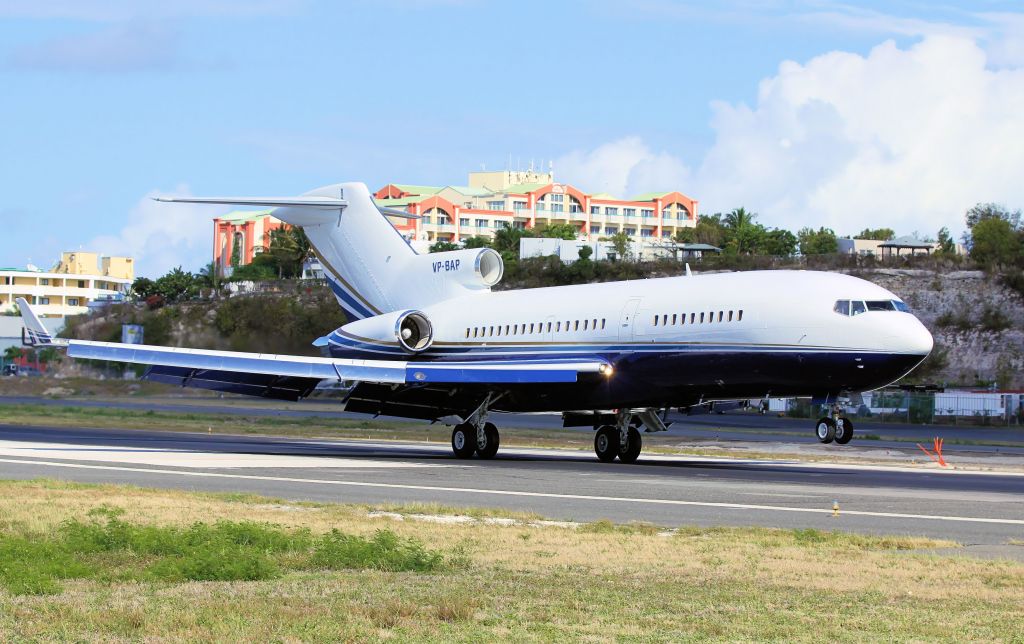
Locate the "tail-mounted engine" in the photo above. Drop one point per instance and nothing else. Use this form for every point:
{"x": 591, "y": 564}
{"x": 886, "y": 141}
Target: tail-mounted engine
{"x": 414, "y": 331}
{"x": 410, "y": 331}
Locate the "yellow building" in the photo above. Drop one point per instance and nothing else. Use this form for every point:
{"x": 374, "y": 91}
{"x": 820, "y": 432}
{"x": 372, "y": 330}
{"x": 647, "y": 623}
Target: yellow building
{"x": 78, "y": 280}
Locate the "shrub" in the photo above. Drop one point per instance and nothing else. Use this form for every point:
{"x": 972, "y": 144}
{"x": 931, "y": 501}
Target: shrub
{"x": 385, "y": 551}
{"x": 993, "y": 319}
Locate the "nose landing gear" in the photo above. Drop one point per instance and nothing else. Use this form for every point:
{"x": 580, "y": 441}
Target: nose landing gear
{"x": 834, "y": 427}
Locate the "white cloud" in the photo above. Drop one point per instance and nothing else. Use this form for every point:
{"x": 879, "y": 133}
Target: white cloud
{"x": 128, "y": 47}
{"x": 161, "y": 236}
{"x": 908, "y": 138}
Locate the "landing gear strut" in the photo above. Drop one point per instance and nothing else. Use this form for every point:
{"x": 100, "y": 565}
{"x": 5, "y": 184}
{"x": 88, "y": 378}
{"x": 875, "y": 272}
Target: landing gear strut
{"x": 476, "y": 435}
{"x": 621, "y": 440}
{"x": 834, "y": 427}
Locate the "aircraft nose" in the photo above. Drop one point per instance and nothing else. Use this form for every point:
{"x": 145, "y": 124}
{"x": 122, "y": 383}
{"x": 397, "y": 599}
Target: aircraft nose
{"x": 915, "y": 338}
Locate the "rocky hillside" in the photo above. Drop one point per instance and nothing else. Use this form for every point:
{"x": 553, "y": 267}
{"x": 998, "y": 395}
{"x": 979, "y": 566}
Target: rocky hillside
{"x": 977, "y": 322}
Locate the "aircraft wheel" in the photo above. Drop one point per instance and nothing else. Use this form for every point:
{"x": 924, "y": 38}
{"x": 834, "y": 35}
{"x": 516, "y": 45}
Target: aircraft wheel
{"x": 464, "y": 440}
{"x": 844, "y": 434}
{"x": 826, "y": 430}
{"x": 633, "y": 448}
{"x": 606, "y": 444}
{"x": 489, "y": 446}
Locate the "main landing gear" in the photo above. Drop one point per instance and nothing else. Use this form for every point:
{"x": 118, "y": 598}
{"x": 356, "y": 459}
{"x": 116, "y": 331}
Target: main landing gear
{"x": 476, "y": 436}
{"x": 622, "y": 440}
{"x": 834, "y": 427}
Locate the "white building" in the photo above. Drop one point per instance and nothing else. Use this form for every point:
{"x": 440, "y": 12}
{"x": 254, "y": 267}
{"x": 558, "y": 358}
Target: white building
{"x": 79, "y": 279}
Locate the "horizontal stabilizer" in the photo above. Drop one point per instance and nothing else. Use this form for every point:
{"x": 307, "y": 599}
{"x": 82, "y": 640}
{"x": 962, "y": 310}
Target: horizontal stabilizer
{"x": 318, "y": 202}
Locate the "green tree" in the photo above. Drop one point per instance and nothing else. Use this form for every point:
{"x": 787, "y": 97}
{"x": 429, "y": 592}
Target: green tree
{"x": 982, "y": 211}
{"x": 710, "y": 230}
{"x": 177, "y": 285}
{"x": 476, "y": 241}
{"x": 622, "y": 244}
{"x": 236, "y": 251}
{"x": 742, "y": 235}
{"x": 994, "y": 242}
{"x": 443, "y": 246}
{"x": 290, "y": 248}
{"x": 506, "y": 240}
{"x": 817, "y": 242}
{"x": 946, "y": 244}
{"x": 878, "y": 234}
{"x": 144, "y": 287}
{"x": 207, "y": 276}
{"x": 557, "y": 231}
{"x": 585, "y": 252}
{"x": 263, "y": 267}
{"x": 779, "y": 242}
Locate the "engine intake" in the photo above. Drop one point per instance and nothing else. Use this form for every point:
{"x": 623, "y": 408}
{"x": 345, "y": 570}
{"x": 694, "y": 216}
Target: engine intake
{"x": 414, "y": 331}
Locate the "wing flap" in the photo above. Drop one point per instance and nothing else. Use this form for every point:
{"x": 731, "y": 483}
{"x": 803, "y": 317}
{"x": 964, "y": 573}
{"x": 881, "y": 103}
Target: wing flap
{"x": 249, "y": 384}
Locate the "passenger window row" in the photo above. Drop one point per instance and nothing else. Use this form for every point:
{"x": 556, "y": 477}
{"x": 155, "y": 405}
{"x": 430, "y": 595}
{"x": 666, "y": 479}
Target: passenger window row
{"x": 676, "y": 319}
{"x": 508, "y": 330}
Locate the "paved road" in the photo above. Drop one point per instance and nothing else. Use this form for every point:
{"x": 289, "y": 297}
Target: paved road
{"x": 979, "y": 509}
{"x": 732, "y": 426}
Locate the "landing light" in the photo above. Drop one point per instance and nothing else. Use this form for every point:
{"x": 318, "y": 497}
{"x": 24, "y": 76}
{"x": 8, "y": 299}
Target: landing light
{"x": 605, "y": 369}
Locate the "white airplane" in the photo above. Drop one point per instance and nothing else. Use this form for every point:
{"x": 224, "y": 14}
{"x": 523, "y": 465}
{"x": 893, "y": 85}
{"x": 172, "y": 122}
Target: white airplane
{"x": 429, "y": 339}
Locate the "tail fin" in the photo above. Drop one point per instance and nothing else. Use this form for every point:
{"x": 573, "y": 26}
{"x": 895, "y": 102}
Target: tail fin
{"x": 371, "y": 268}
{"x": 35, "y": 333}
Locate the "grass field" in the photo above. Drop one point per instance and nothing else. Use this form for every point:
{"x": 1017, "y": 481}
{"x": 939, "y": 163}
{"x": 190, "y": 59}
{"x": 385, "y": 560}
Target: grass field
{"x": 130, "y": 563}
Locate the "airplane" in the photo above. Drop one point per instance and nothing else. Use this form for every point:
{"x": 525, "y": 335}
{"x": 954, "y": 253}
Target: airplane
{"x": 429, "y": 339}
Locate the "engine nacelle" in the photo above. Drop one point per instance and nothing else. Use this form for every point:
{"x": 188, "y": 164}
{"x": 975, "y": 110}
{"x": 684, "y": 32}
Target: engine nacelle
{"x": 409, "y": 330}
{"x": 473, "y": 268}
{"x": 414, "y": 331}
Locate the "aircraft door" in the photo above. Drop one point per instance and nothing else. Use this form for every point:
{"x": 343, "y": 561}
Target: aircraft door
{"x": 627, "y": 318}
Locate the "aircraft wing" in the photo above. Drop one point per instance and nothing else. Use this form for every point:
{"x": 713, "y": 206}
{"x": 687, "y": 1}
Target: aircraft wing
{"x": 193, "y": 363}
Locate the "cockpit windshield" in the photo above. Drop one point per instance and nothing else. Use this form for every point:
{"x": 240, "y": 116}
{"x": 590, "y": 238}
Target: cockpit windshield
{"x": 856, "y": 307}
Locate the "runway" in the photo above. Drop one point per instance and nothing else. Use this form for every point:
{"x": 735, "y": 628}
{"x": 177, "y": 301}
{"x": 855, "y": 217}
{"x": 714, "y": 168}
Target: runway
{"x": 983, "y": 510}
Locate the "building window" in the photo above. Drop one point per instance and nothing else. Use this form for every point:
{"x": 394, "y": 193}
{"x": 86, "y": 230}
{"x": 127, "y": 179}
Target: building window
{"x": 610, "y": 230}
{"x": 481, "y": 223}
{"x": 629, "y": 212}
{"x": 646, "y": 232}
{"x": 518, "y": 205}
{"x": 521, "y": 225}
{"x": 595, "y": 210}
{"x": 44, "y": 282}
{"x": 647, "y": 212}
{"x": 629, "y": 231}
{"x": 557, "y": 207}
{"x": 595, "y": 230}
{"x": 611, "y": 211}
{"x": 666, "y": 232}
{"x": 442, "y": 220}
{"x": 463, "y": 221}
{"x": 44, "y": 301}
{"x": 575, "y": 208}
{"x": 666, "y": 213}
{"x": 495, "y": 205}
{"x": 557, "y": 198}
{"x": 81, "y": 283}
{"x": 72, "y": 301}
{"x": 681, "y": 213}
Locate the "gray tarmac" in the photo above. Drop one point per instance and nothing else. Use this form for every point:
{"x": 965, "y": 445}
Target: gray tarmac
{"x": 982, "y": 510}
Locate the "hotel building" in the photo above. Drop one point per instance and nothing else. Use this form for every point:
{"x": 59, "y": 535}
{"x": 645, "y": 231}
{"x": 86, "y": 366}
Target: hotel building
{"x": 80, "y": 278}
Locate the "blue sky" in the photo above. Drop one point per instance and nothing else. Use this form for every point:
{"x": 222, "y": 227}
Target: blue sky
{"x": 809, "y": 113}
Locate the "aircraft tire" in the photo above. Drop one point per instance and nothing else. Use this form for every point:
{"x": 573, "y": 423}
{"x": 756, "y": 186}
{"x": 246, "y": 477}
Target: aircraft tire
{"x": 464, "y": 440}
{"x": 825, "y": 429}
{"x": 843, "y": 437}
{"x": 606, "y": 443}
{"x": 492, "y": 440}
{"x": 633, "y": 448}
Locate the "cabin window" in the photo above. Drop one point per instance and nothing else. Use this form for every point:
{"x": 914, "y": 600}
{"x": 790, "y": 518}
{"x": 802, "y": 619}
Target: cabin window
{"x": 585, "y": 324}
{"x": 857, "y": 307}
{"x": 711, "y": 317}
{"x": 602, "y": 323}
{"x": 673, "y": 319}
{"x": 594, "y": 325}
{"x": 655, "y": 320}
{"x": 577, "y": 326}
{"x": 549, "y": 327}
{"x": 702, "y": 317}
{"x": 730, "y": 316}
{"x": 531, "y": 327}
{"x": 739, "y": 316}
{"x": 558, "y": 326}
{"x": 467, "y": 331}
{"x": 721, "y": 315}
{"x": 693, "y": 316}
{"x": 490, "y": 331}
{"x": 475, "y": 331}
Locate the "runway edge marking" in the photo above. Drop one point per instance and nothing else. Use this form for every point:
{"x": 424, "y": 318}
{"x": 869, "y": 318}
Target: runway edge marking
{"x": 546, "y": 495}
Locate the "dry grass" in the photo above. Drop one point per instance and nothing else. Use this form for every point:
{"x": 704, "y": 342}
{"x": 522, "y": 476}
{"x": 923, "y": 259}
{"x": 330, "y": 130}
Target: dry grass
{"x": 599, "y": 582}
